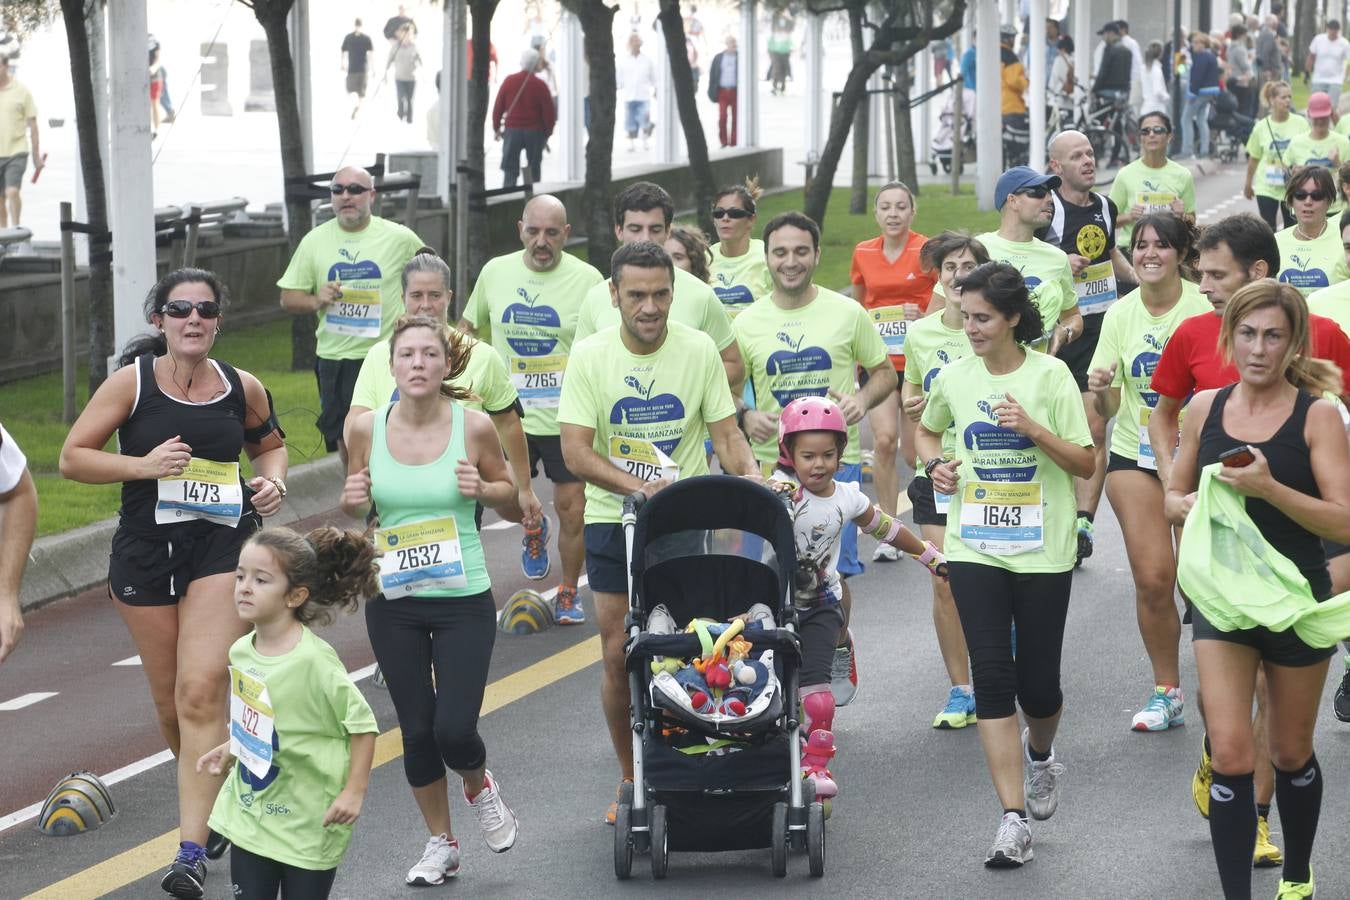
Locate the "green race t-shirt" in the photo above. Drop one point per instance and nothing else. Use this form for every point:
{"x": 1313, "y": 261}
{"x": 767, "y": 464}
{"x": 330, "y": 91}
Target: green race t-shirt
{"x": 1328, "y": 152}
{"x": 649, "y": 411}
{"x": 1002, "y": 460}
{"x": 485, "y": 376}
{"x": 930, "y": 347}
{"x": 1312, "y": 265}
{"x": 1269, "y": 146}
{"x": 369, "y": 264}
{"x": 1133, "y": 341}
{"x": 1333, "y": 302}
{"x": 695, "y": 305}
{"x": 1154, "y": 189}
{"x": 791, "y": 353}
{"x": 315, "y": 708}
{"x": 1046, "y": 270}
{"x": 740, "y": 280}
{"x": 531, "y": 319}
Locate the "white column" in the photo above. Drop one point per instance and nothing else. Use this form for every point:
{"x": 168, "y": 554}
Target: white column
{"x": 669, "y": 134}
{"x": 454, "y": 63}
{"x": 1188, "y": 20}
{"x": 921, "y": 117}
{"x": 1082, "y": 41}
{"x": 572, "y": 115}
{"x": 1037, "y": 76}
{"x": 298, "y": 26}
{"x": 1117, "y": 11}
{"x": 988, "y": 119}
{"x": 1220, "y": 10}
{"x": 815, "y": 83}
{"x": 747, "y": 79}
{"x": 876, "y": 132}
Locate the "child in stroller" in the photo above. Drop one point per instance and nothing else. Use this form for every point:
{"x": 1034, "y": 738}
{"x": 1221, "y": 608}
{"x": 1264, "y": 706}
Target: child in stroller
{"x": 812, "y": 435}
{"x": 1232, "y": 126}
{"x": 943, "y": 138}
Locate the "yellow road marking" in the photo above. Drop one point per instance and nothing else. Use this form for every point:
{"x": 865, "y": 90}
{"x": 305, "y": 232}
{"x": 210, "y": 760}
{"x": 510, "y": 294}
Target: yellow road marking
{"x": 142, "y": 860}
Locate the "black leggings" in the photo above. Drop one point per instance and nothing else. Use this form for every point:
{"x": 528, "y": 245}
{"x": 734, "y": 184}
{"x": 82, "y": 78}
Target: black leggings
{"x": 990, "y": 600}
{"x": 259, "y": 878}
{"x": 819, "y": 629}
{"x": 451, "y": 637}
{"x": 1269, "y": 206}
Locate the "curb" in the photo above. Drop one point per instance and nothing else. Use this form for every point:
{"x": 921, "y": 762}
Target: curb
{"x": 69, "y": 563}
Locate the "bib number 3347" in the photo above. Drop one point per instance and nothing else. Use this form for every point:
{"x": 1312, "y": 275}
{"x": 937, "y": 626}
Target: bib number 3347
{"x": 1001, "y": 519}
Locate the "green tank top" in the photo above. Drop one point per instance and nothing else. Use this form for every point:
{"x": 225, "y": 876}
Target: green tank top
{"x": 406, "y": 495}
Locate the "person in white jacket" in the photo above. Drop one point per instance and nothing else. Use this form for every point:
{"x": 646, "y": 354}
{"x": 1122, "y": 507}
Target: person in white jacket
{"x": 1156, "y": 97}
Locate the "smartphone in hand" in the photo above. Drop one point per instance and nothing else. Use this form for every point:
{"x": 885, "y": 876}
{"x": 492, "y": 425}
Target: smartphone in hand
{"x": 1237, "y": 457}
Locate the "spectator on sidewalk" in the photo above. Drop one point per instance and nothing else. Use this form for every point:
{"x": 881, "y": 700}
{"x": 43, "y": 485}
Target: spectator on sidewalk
{"x": 637, "y": 83}
{"x": 18, "y": 521}
{"x": 722, "y": 91}
{"x": 1112, "y": 84}
{"x": 1013, "y": 78}
{"x": 1062, "y": 77}
{"x": 1241, "y": 70}
{"x": 394, "y": 26}
{"x": 405, "y": 59}
{"x": 1136, "y": 62}
{"x": 356, "y": 50}
{"x": 1326, "y": 61}
{"x": 1204, "y": 87}
{"x": 1269, "y": 65}
{"x": 17, "y": 113}
{"x": 523, "y": 119}
{"x": 968, "y": 66}
{"x": 1156, "y": 96}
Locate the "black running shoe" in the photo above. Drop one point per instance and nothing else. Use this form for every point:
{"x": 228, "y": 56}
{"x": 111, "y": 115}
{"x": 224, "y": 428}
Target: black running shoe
{"x": 186, "y": 878}
{"x": 1341, "y": 705}
{"x": 1085, "y": 540}
{"x": 216, "y": 844}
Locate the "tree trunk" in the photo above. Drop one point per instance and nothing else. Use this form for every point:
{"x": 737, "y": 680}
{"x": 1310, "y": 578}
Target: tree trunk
{"x": 907, "y": 169}
{"x": 686, "y": 98}
{"x": 480, "y": 13}
{"x": 1305, "y": 27}
{"x": 597, "y": 24}
{"x": 272, "y": 15}
{"x": 862, "y": 118}
{"x": 841, "y": 121}
{"x": 95, "y": 192}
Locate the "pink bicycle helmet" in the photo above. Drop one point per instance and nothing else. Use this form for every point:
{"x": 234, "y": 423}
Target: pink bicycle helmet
{"x": 808, "y": 414}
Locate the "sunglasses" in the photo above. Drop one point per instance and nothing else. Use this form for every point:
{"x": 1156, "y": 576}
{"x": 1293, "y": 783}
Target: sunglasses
{"x": 181, "y": 309}
{"x": 1035, "y": 193}
{"x": 1155, "y": 129}
{"x": 1315, "y": 196}
{"x": 732, "y": 212}
{"x": 356, "y": 190}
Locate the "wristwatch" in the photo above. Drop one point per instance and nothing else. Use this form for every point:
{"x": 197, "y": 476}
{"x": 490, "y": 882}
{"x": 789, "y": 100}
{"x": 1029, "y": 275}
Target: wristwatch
{"x": 932, "y": 464}
{"x": 280, "y": 486}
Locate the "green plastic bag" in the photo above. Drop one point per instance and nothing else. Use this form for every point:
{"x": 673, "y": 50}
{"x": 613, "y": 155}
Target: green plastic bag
{"x": 1238, "y": 581}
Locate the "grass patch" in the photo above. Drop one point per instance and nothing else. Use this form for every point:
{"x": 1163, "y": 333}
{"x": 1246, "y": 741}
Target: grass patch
{"x": 31, "y": 411}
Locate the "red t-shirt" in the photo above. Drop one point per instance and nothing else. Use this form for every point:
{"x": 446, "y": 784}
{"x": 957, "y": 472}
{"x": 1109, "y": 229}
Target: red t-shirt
{"x": 879, "y": 282}
{"x": 1192, "y": 360}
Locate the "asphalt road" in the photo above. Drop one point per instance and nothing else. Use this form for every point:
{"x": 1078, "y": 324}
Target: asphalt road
{"x": 914, "y": 818}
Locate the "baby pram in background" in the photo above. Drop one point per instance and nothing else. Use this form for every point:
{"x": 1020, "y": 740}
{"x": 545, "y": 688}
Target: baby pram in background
{"x": 712, "y": 547}
{"x": 1232, "y": 126}
{"x": 941, "y": 144}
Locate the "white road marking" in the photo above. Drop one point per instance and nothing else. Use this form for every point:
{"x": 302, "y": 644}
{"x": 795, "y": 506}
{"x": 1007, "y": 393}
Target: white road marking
{"x": 26, "y": 700}
{"x": 129, "y": 661}
{"x": 500, "y": 525}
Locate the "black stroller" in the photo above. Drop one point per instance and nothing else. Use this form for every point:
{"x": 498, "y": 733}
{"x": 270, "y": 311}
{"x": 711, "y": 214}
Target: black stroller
{"x": 712, "y": 547}
{"x": 1232, "y": 127}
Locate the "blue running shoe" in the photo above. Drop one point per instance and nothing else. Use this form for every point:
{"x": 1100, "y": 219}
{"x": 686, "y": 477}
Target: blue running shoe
{"x": 959, "y": 711}
{"x": 186, "y": 878}
{"x": 567, "y": 608}
{"x": 534, "y": 561}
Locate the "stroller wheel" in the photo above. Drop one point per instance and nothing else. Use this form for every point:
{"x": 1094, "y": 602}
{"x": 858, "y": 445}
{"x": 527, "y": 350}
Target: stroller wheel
{"x": 623, "y": 841}
{"x": 815, "y": 839}
{"x": 779, "y": 837}
{"x": 660, "y": 856}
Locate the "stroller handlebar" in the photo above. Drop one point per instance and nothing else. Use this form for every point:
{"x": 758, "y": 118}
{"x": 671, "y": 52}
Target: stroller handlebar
{"x": 632, "y": 504}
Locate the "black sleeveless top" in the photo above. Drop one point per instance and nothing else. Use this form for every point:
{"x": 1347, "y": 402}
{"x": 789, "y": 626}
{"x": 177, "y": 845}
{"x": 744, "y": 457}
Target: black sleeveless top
{"x": 214, "y": 430}
{"x": 1290, "y": 464}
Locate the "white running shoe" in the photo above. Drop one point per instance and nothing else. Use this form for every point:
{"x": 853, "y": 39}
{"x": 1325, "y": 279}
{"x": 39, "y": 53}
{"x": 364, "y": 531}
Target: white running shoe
{"x": 760, "y": 614}
{"x": 494, "y": 816}
{"x": 885, "y": 553}
{"x": 440, "y": 860}
{"x": 1012, "y": 846}
{"x": 1165, "y": 709}
{"x": 660, "y": 621}
{"x": 1040, "y": 781}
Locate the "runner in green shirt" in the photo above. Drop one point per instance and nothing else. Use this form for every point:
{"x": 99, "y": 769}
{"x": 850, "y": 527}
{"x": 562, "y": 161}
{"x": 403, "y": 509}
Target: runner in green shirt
{"x": 1022, "y": 437}
{"x": 739, "y": 273}
{"x": 346, "y": 271}
{"x": 1267, "y": 153}
{"x": 1134, "y": 333}
{"x": 527, "y": 304}
{"x": 635, "y": 405}
{"x": 1023, "y": 199}
{"x": 1152, "y": 182}
{"x": 1334, "y": 302}
{"x": 1311, "y": 253}
{"x": 302, "y": 734}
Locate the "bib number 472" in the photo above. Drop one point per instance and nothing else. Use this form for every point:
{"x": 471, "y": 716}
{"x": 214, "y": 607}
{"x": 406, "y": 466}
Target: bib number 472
{"x": 1003, "y": 516}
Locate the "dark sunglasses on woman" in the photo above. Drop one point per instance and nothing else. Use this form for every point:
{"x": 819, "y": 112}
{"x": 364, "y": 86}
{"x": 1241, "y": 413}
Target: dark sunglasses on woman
{"x": 730, "y": 212}
{"x": 181, "y": 309}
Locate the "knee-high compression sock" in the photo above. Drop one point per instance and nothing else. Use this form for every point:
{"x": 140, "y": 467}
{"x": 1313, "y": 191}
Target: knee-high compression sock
{"x": 1232, "y": 829}
{"x": 1299, "y": 797}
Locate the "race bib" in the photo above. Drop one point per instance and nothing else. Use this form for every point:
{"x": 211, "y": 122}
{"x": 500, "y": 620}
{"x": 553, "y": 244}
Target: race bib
{"x": 1147, "y": 459}
{"x": 642, "y": 459}
{"x": 206, "y": 490}
{"x": 538, "y": 380}
{"x": 891, "y": 324}
{"x": 1001, "y": 518}
{"x": 1275, "y": 176}
{"x": 1154, "y": 201}
{"x": 355, "y": 314}
{"x": 942, "y": 503}
{"x": 420, "y": 556}
{"x": 251, "y": 723}
{"x": 1095, "y": 287}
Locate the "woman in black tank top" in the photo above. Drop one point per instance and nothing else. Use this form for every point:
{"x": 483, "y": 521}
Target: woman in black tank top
{"x": 181, "y": 420}
{"x": 1297, "y": 490}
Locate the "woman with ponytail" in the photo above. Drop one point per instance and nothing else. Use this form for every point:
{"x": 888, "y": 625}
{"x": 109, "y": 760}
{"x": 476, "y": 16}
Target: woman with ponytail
{"x": 300, "y": 730}
{"x": 425, "y": 461}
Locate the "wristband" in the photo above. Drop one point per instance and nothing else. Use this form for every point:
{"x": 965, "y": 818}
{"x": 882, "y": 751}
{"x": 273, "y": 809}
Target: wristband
{"x": 932, "y": 558}
{"x": 932, "y": 464}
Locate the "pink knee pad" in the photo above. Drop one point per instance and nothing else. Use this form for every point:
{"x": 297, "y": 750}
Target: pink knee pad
{"x": 817, "y": 709}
